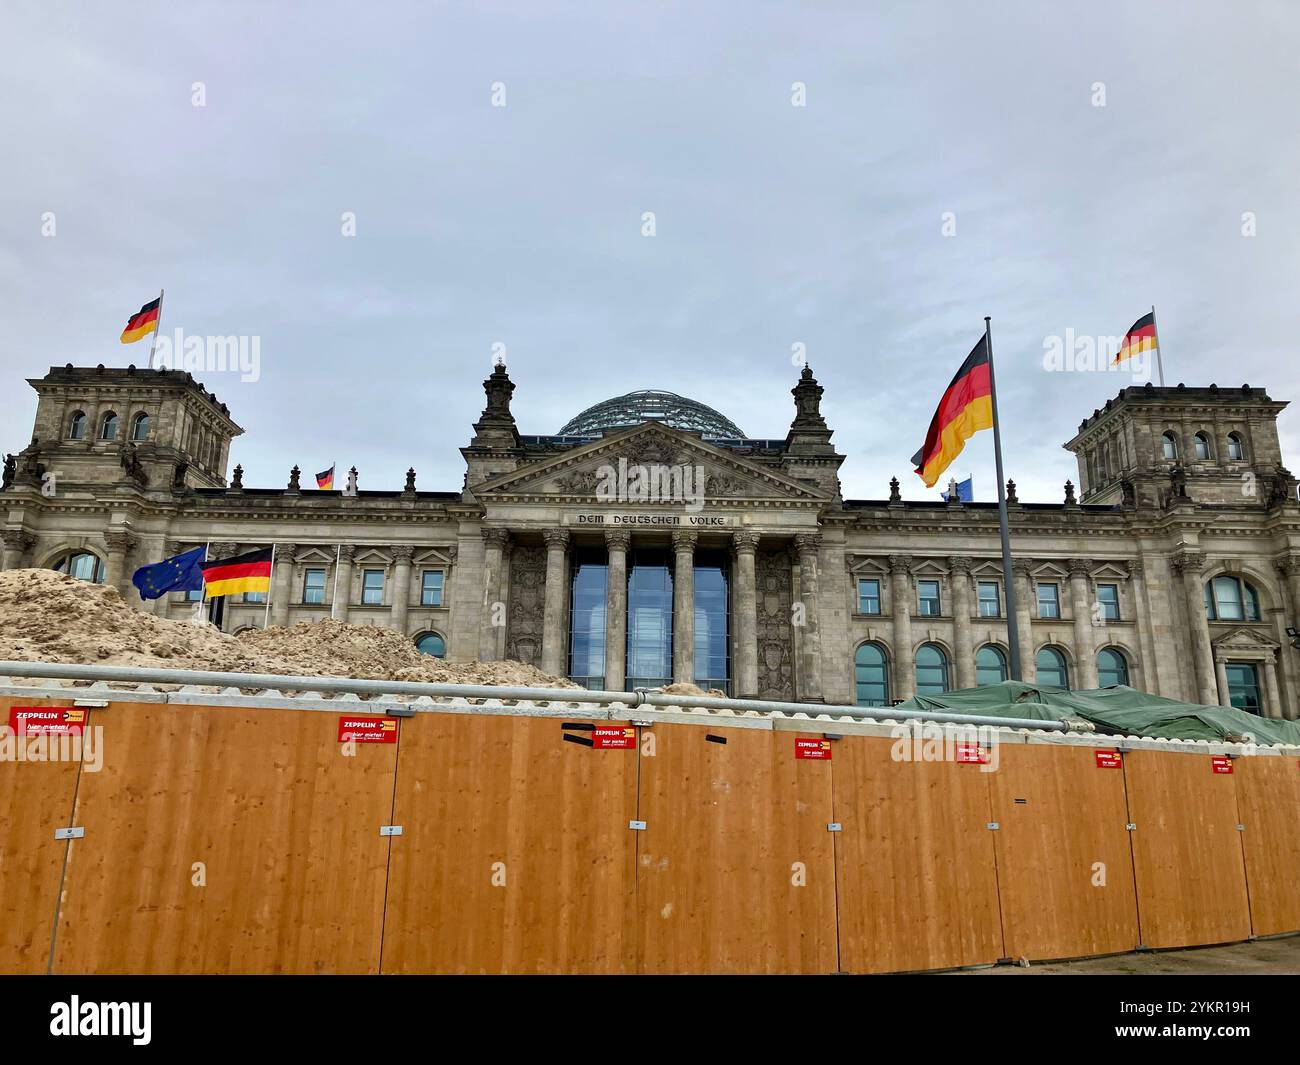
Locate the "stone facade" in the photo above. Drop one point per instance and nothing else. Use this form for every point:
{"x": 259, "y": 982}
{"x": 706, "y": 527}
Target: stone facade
{"x": 1178, "y": 487}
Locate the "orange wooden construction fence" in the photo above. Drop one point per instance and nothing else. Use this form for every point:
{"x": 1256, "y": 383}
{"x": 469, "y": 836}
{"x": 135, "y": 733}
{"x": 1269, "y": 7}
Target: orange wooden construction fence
{"x": 241, "y": 839}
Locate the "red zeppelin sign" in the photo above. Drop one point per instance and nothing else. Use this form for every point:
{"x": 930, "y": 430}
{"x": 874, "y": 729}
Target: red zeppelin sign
{"x": 368, "y": 729}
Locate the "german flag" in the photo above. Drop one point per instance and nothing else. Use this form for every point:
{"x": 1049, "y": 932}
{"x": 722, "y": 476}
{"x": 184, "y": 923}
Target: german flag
{"x": 966, "y": 408}
{"x": 142, "y": 324}
{"x": 249, "y": 572}
{"x": 1140, "y": 337}
{"x": 325, "y": 481}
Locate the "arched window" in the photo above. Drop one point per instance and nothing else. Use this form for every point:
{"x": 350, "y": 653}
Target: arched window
{"x": 82, "y": 565}
{"x": 108, "y": 428}
{"x": 140, "y": 427}
{"x": 931, "y": 670}
{"x": 431, "y": 644}
{"x": 1236, "y": 451}
{"x": 1231, "y": 599}
{"x": 1050, "y": 664}
{"x": 77, "y": 426}
{"x": 871, "y": 672}
{"x": 1201, "y": 444}
{"x": 990, "y": 666}
{"x": 1112, "y": 667}
{"x": 1169, "y": 447}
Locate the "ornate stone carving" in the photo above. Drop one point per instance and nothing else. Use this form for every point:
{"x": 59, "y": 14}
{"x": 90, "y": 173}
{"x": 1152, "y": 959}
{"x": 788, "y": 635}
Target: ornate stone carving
{"x": 118, "y": 540}
{"x": 294, "y": 486}
{"x": 1187, "y": 562}
{"x": 1290, "y": 565}
{"x": 402, "y": 552}
{"x": 556, "y": 538}
{"x": 719, "y": 486}
{"x": 651, "y": 449}
{"x": 616, "y": 539}
{"x": 808, "y": 545}
{"x": 1078, "y": 567}
{"x": 775, "y": 632}
{"x": 1022, "y": 567}
{"x": 450, "y": 552}
{"x": 347, "y": 552}
{"x": 495, "y": 537}
{"x": 895, "y": 496}
{"x": 1012, "y": 498}
{"x": 10, "y": 468}
{"x": 745, "y": 541}
{"x": 237, "y": 479}
{"x": 527, "y": 604}
{"x": 685, "y": 539}
{"x": 409, "y": 487}
{"x": 900, "y": 564}
{"x": 1070, "y": 500}
{"x": 578, "y": 483}
{"x": 960, "y": 564}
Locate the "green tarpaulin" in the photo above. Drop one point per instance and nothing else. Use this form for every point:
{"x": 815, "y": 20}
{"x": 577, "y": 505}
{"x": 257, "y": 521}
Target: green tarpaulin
{"x": 1114, "y": 711}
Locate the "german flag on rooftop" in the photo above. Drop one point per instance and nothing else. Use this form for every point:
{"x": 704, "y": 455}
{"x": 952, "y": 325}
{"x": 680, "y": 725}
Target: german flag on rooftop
{"x": 965, "y": 409}
{"x": 142, "y": 323}
{"x": 249, "y": 572}
{"x": 1140, "y": 337}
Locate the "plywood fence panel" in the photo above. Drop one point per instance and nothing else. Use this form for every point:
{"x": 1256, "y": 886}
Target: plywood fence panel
{"x": 1065, "y": 869}
{"x": 1268, "y": 797}
{"x": 735, "y": 868}
{"x": 1187, "y": 852}
{"x": 35, "y": 799}
{"x": 915, "y": 862}
{"x": 515, "y": 854}
{"x": 285, "y": 824}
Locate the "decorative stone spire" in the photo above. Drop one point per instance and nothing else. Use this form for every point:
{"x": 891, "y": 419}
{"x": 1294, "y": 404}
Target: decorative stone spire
{"x": 1012, "y": 499}
{"x": 807, "y": 402}
{"x": 895, "y": 496}
{"x": 237, "y": 479}
{"x": 409, "y": 488}
{"x": 954, "y": 495}
{"x": 496, "y": 425}
{"x": 294, "y": 474}
{"x": 1070, "y": 501}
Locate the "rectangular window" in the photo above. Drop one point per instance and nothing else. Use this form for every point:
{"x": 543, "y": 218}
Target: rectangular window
{"x": 587, "y": 601}
{"x": 193, "y": 595}
{"x": 928, "y": 594}
{"x": 372, "y": 587}
{"x": 712, "y": 646}
{"x": 1049, "y": 601}
{"x": 431, "y": 587}
{"x": 1243, "y": 686}
{"x": 254, "y": 597}
{"x": 990, "y": 599}
{"x": 868, "y": 596}
{"x": 1108, "y": 598}
{"x": 649, "y": 619}
{"x": 313, "y": 587}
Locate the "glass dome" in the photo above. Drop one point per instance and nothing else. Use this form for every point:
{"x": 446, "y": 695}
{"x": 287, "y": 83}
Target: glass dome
{"x": 650, "y": 405}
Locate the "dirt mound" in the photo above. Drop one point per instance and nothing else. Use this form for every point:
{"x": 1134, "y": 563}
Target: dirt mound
{"x": 51, "y": 617}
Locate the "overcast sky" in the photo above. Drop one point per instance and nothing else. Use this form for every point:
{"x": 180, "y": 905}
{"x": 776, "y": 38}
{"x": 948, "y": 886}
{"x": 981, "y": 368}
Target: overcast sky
{"x": 775, "y": 224}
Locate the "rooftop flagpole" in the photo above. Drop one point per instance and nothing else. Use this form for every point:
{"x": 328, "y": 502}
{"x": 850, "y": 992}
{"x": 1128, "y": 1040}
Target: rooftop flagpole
{"x": 157, "y": 327}
{"x": 1160, "y": 366}
{"x": 1008, "y": 592}
{"x": 266, "y": 617}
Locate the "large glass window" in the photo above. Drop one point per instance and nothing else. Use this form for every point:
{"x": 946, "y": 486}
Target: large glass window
{"x": 77, "y": 426}
{"x": 432, "y": 644}
{"x": 928, "y": 595}
{"x": 108, "y": 431}
{"x": 712, "y": 659}
{"x": 588, "y": 597}
{"x": 649, "y": 620}
{"x": 82, "y": 565}
{"x": 431, "y": 587}
{"x": 1108, "y": 600}
{"x": 1231, "y": 599}
{"x": 931, "y": 670}
{"x": 1243, "y": 686}
{"x": 140, "y": 427}
{"x": 990, "y": 666}
{"x": 1112, "y": 667}
{"x": 1051, "y": 667}
{"x": 868, "y": 596}
{"x": 313, "y": 586}
{"x": 990, "y": 599}
{"x": 372, "y": 587}
{"x": 1236, "y": 451}
{"x": 1201, "y": 446}
{"x": 871, "y": 671}
{"x": 1049, "y": 600}
{"x": 1169, "y": 446}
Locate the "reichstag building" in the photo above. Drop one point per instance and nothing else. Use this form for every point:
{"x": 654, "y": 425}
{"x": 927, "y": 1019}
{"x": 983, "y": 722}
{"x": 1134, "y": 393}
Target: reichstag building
{"x": 652, "y": 540}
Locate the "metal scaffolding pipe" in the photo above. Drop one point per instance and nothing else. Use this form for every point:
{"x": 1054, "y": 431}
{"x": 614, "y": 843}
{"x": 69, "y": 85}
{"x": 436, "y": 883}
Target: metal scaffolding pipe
{"x": 640, "y": 697}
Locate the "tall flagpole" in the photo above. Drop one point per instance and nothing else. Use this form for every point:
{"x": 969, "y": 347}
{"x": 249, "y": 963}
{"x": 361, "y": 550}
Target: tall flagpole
{"x": 1013, "y": 629}
{"x": 157, "y": 327}
{"x": 266, "y": 617}
{"x": 334, "y": 595}
{"x": 1160, "y": 366}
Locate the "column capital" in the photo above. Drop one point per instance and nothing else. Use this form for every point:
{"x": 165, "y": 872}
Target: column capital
{"x": 1079, "y": 567}
{"x": 960, "y": 563}
{"x": 1188, "y": 562}
{"x": 346, "y": 551}
{"x": 451, "y": 554}
{"x": 685, "y": 539}
{"x": 19, "y": 539}
{"x": 618, "y": 539}
{"x": 1022, "y": 567}
{"x": 403, "y": 552}
{"x": 172, "y": 547}
{"x": 745, "y": 541}
{"x": 1290, "y": 564}
{"x": 900, "y": 564}
{"x": 808, "y": 544}
{"x": 556, "y": 539}
{"x": 495, "y": 537}
{"x": 299, "y": 552}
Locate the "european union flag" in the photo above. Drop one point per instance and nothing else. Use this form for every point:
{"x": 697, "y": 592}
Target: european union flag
{"x": 965, "y": 491}
{"x": 183, "y": 573}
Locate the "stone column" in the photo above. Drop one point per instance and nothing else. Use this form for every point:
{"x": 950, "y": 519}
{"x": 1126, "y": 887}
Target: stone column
{"x": 282, "y": 583}
{"x": 1290, "y": 566}
{"x": 554, "y": 638}
{"x": 1149, "y": 674}
{"x": 1221, "y": 676}
{"x": 1085, "y": 653}
{"x": 401, "y": 587}
{"x": 494, "y": 557}
{"x": 617, "y": 542}
{"x": 116, "y": 574}
{"x": 900, "y": 568}
{"x": 16, "y": 545}
{"x": 1024, "y": 587}
{"x": 809, "y": 675}
{"x": 1189, "y": 564}
{"x": 962, "y": 649}
{"x": 1272, "y": 693}
{"x": 744, "y": 592}
{"x": 342, "y": 589}
{"x": 684, "y": 607}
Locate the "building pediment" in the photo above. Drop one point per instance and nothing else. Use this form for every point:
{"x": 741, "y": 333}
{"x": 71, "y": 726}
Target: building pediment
{"x": 1244, "y": 642}
{"x": 645, "y": 458}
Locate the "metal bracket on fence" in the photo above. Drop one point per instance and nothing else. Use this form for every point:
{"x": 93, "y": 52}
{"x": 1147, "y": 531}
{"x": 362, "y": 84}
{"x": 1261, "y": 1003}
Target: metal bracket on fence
{"x": 390, "y": 830}
{"x": 69, "y": 833}
{"x": 1130, "y": 827}
{"x": 636, "y": 826}
{"x": 993, "y": 826}
{"x": 835, "y": 826}
{"x": 400, "y": 711}
{"x": 100, "y": 704}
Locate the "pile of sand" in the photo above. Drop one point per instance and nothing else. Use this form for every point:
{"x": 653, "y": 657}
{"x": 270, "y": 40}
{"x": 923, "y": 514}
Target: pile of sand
{"x": 51, "y": 617}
